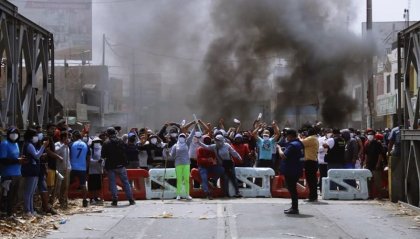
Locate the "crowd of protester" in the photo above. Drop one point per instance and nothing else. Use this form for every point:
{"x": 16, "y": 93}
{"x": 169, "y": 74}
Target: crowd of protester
{"x": 35, "y": 160}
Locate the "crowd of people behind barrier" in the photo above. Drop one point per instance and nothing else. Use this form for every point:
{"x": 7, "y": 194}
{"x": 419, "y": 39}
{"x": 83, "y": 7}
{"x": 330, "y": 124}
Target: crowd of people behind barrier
{"x": 37, "y": 157}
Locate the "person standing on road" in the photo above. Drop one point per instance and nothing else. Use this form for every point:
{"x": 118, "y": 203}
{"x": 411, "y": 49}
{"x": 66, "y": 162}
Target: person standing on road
{"x": 311, "y": 145}
{"x": 291, "y": 166}
{"x": 31, "y": 169}
{"x": 323, "y": 166}
{"x": 10, "y": 170}
{"x": 395, "y": 163}
{"x": 351, "y": 154}
{"x": 336, "y": 146}
{"x": 181, "y": 158}
{"x": 79, "y": 159}
{"x": 374, "y": 155}
{"x": 63, "y": 167}
{"x": 113, "y": 152}
{"x": 95, "y": 171}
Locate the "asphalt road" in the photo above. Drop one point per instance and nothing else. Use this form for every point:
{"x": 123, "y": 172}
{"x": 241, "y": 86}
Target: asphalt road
{"x": 244, "y": 218}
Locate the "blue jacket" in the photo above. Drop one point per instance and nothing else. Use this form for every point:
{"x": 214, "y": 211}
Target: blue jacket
{"x": 9, "y": 154}
{"x": 32, "y": 167}
{"x": 295, "y": 156}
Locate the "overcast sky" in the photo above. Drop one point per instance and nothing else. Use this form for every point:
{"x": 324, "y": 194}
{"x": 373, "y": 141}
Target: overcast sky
{"x": 387, "y": 10}
{"x": 383, "y": 10}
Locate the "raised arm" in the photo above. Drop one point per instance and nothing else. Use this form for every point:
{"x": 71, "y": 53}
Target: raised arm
{"x": 233, "y": 153}
{"x": 255, "y": 132}
{"x": 221, "y": 123}
{"x": 185, "y": 128}
{"x": 204, "y": 127}
{"x": 190, "y": 137}
{"x": 276, "y": 131}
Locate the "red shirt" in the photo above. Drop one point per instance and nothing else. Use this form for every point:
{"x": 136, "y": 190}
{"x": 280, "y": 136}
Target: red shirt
{"x": 243, "y": 150}
{"x": 203, "y": 153}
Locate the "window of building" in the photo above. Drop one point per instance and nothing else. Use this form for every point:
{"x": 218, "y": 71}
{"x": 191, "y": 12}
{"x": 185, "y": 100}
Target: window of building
{"x": 396, "y": 82}
{"x": 388, "y": 83}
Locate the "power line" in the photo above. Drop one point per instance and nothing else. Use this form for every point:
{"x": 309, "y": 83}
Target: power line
{"x": 186, "y": 58}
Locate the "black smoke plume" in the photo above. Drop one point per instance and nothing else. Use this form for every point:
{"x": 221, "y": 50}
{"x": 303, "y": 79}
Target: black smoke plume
{"x": 311, "y": 36}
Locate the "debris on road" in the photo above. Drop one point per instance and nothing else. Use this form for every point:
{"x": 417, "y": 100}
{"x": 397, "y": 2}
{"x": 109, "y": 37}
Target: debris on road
{"x": 20, "y": 226}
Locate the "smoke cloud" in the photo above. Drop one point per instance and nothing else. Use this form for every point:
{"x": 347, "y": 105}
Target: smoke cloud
{"x": 219, "y": 58}
{"x": 311, "y": 36}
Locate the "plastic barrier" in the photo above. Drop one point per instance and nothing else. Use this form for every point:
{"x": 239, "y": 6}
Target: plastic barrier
{"x": 156, "y": 176}
{"x": 384, "y": 192}
{"x": 136, "y": 178}
{"x": 198, "y": 192}
{"x": 279, "y": 188}
{"x": 349, "y": 192}
{"x": 253, "y": 190}
{"x": 75, "y": 192}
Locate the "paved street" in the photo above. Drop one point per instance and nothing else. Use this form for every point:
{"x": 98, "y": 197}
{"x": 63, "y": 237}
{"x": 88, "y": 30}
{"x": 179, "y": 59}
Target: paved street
{"x": 244, "y": 218}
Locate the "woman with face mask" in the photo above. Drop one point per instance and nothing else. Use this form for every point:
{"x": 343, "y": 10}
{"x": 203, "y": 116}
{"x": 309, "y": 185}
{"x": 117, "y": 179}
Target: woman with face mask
{"x": 31, "y": 169}
{"x": 179, "y": 153}
{"x": 10, "y": 170}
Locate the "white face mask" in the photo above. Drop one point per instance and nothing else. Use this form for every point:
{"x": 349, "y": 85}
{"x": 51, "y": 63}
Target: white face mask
{"x": 40, "y": 136}
{"x": 329, "y": 135}
{"x": 153, "y": 140}
{"x": 13, "y": 137}
{"x": 35, "y": 139}
{"x": 351, "y": 135}
{"x": 85, "y": 139}
{"x": 370, "y": 137}
{"x": 181, "y": 140}
{"x": 173, "y": 135}
{"x": 96, "y": 145}
{"x": 266, "y": 137}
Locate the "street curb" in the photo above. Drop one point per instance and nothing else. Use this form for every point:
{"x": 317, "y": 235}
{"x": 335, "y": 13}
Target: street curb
{"x": 414, "y": 208}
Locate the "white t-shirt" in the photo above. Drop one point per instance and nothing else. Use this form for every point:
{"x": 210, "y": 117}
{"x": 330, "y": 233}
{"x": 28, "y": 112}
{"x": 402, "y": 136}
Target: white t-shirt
{"x": 322, "y": 151}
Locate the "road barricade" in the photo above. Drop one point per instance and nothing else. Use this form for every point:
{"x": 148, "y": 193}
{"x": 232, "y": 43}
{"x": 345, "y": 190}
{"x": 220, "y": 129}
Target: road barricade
{"x": 279, "y": 187}
{"x": 198, "y": 192}
{"x": 348, "y": 192}
{"x": 383, "y": 190}
{"x": 160, "y": 177}
{"x": 75, "y": 191}
{"x": 244, "y": 174}
{"x": 136, "y": 177}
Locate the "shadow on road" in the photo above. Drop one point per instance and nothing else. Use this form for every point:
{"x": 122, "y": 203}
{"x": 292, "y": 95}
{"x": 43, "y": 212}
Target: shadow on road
{"x": 299, "y": 215}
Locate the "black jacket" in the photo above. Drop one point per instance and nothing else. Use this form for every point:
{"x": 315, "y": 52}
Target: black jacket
{"x": 113, "y": 151}
{"x": 336, "y": 155}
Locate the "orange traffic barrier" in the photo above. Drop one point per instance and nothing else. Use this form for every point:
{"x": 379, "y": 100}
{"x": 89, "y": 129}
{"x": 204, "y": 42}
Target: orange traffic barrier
{"x": 75, "y": 192}
{"x": 136, "y": 178}
{"x": 383, "y": 193}
{"x": 278, "y": 188}
{"x": 198, "y": 192}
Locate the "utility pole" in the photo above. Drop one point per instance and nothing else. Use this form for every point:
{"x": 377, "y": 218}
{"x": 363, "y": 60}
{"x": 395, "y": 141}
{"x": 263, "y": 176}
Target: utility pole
{"x": 103, "y": 49}
{"x": 134, "y": 115}
{"x": 370, "y": 100}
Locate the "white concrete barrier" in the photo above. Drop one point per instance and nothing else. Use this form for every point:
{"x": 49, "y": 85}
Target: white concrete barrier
{"x": 157, "y": 176}
{"x": 349, "y": 192}
{"x": 243, "y": 175}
